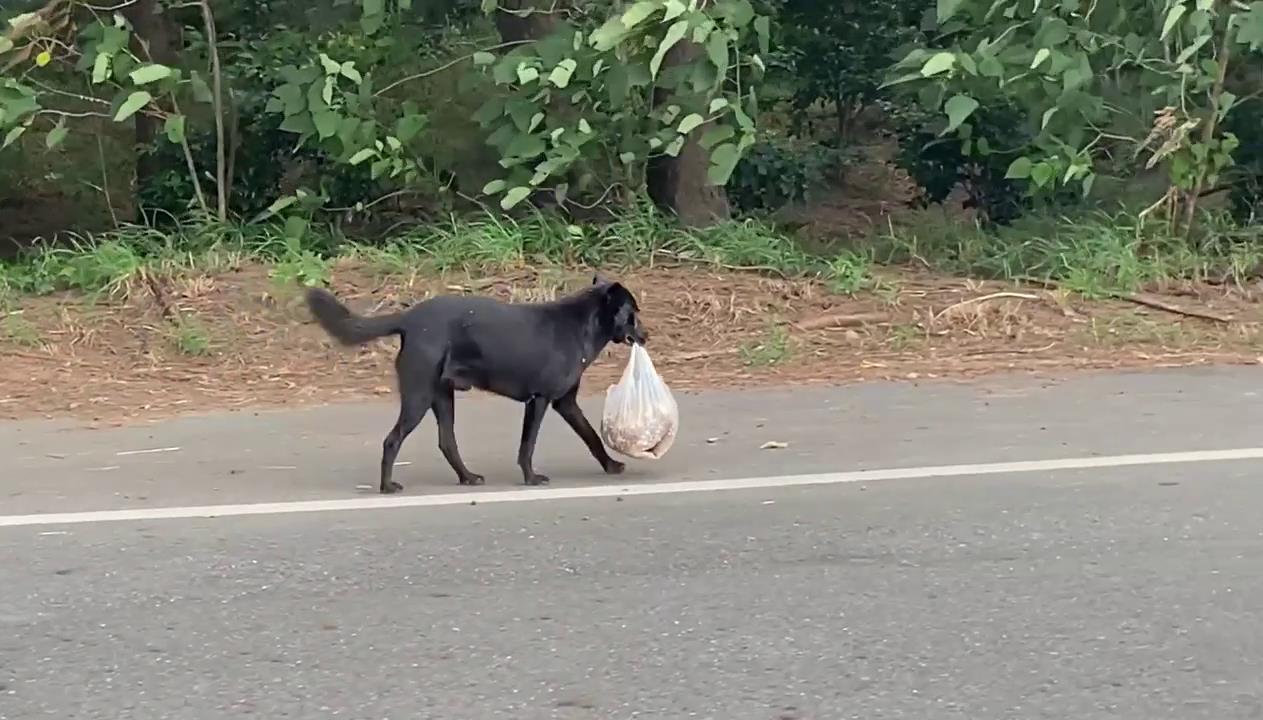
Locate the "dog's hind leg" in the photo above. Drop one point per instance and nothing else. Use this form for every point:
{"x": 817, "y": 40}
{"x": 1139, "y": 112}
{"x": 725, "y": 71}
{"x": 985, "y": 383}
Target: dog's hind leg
{"x": 413, "y": 404}
{"x": 444, "y": 406}
{"x": 567, "y": 406}
{"x": 536, "y": 408}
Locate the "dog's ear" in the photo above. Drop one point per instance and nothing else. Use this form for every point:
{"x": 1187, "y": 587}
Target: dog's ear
{"x": 599, "y": 279}
{"x": 616, "y": 294}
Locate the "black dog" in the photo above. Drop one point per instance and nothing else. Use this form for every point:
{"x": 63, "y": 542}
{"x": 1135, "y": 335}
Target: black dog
{"x": 532, "y": 353}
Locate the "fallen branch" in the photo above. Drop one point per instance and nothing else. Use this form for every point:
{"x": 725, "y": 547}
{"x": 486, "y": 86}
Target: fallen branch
{"x": 984, "y": 298}
{"x": 1146, "y": 300}
{"x": 825, "y": 322}
{"x": 1153, "y": 302}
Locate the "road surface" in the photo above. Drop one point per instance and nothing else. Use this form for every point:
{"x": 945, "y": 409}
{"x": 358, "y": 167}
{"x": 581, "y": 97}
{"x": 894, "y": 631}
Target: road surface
{"x": 1039, "y": 553}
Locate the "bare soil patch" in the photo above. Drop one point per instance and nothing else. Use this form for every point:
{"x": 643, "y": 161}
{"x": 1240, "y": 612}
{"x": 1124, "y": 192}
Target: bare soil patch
{"x": 240, "y": 339}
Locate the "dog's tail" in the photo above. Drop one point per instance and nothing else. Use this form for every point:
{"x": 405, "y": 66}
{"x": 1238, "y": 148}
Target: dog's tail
{"x": 345, "y": 326}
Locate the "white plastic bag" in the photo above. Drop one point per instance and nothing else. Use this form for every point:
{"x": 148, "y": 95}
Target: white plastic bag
{"x": 640, "y": 417}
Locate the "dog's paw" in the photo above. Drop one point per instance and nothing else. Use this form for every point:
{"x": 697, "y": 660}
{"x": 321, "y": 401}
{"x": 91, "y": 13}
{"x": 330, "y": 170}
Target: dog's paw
{"x": 473, "y": 479}
{"x": 614, "y": 467}
{"x": 390, "y": 488}
{"x": 538, "y": 479}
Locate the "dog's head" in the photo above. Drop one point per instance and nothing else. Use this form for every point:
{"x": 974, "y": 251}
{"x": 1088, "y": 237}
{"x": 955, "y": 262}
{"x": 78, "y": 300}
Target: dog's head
{"x": 619, "y": 314}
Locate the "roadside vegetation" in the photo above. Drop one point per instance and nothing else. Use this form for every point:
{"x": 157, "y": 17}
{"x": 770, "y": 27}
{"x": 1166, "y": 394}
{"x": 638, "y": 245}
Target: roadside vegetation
{"x": 883, "y": 179}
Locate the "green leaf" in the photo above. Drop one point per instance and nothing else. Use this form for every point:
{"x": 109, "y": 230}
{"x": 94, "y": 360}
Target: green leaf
{"x": 132, "y": 105}
{"x": 674, "y": 147}
{"x": 299, "y": 124}
{"x": 716, "y": 135}
{"x": 763, "y": 29}
{"x": 1048, "y": 115}
{"x": 560, "y": 76}
{"x": 674, "y": 34}
{"x": 514, "y": 196}
{"x": 488, "y": 6}
{"x": 1192, "y": 49}
{"x": 330, "y": 65}
{"x": 723, "y": 160}
{"x": 326, "y": 122}
{"x": 1173, "y": 16}
{"x": 674, "y": 9}
{"x": 690, "y": 123}
{"x": 938, "y": 63}
{"x": 483, "y": 58}
{"x": 5, "y": 44}
{"x": 13, "y": 135}
{"x": 639, "y": 12}
{"x": 1226, "y": 102}
{"x": 618, "y": 83}
{"x": 608, "y": 35}
{"x": 738, "y": 12}
{"x": 350, "y": 73}
{"x": 958, "y": 109}
{"x": 627, "y": 158}
{"x": 717, "y": 51}
{"x": 362, "y": 155}
{"x": 277, "y": 205}
{"x": 150, "y": 74}
{"x": 374, "y": 16}
{"x": 989, "y": 66}
{"x": 101, "y": 68}
{"x": 202, "y": 92}
{"x": 946, "y": 9}
{"x": 526, "y": 74}
{"x": 174, "y": 128}
{"x": 56, "y": 135}
{"x": 43, "y": 58}
{"x": 1019, "y": 169}
{"x": 409, "y": 126}
{"x": 493, "y": 187}
{"x": 585, "y": 127}
{"x": 1250, "y": 27}
{"x": 1041, "y": 174}
{"x": 1040, "y": 57}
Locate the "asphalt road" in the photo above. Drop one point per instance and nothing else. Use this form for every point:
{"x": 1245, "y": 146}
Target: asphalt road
{"x": 1118, "y": 592}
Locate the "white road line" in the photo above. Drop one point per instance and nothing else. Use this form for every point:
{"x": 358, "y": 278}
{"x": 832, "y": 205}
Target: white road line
{"x": 649, "y": 488}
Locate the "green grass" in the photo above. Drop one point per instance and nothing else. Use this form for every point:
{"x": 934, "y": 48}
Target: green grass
{"x": 1095, "y": 256}
{"x": 190, "y": 337}
{"x": 772, "y": 349}
{"x": 19, "y": 331}
{"x": 296, "y": 254}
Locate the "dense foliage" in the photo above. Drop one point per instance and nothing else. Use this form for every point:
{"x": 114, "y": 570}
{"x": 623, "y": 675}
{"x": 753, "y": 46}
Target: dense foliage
{"x": 344, "y": 109}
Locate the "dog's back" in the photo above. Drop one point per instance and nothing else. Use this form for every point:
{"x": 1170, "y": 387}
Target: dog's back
{"x": 511, "y": 349}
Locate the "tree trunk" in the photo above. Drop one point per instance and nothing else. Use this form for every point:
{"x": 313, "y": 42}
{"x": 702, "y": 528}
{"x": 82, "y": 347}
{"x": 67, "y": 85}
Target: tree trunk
{"x": 157, "y": 38}
{"x": 679, "y": 184}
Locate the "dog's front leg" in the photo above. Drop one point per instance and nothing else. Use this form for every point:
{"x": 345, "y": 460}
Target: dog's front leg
{"x": 567, "y": 406}
{"x": 536, "y": 408}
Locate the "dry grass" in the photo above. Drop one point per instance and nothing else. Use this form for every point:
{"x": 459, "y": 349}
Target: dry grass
{"x": 239, "y": 338}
